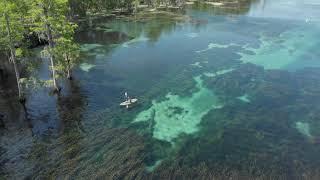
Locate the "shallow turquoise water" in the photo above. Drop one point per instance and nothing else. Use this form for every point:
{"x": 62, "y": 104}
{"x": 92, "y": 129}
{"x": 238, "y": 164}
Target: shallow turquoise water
{"x": 222, "y": 94}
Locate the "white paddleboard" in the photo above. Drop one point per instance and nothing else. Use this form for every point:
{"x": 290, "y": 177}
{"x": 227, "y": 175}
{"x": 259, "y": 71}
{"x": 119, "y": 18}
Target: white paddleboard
{"x": 127, "y": 103}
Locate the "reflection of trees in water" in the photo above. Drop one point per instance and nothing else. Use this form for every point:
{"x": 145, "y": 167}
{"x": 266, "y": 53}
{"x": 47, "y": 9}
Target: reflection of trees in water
{"x": 231, "y": 7}
{"x": 155, "y": 29}
{"x": 259, "y": 4}
{"x": 154, "y": 25}
{"x": 101, "y": 37}
{"x": 150, "y": 25}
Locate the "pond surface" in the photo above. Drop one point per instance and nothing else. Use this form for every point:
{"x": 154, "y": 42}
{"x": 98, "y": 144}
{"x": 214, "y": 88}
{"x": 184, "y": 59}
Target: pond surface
{"x": 224, "y": 91}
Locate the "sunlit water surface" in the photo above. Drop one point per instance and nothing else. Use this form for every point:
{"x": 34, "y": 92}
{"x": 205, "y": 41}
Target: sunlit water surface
{"x": 223, "y": 93}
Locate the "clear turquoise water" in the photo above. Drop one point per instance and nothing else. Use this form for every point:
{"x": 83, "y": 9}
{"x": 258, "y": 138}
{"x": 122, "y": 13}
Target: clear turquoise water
{"x": 224, "y": 93}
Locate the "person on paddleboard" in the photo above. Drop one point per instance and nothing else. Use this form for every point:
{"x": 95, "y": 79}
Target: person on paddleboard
{"x": 127, "y": 97}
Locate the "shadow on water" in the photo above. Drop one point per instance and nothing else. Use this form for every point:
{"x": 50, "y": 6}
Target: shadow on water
{"x": 12, "y": 112}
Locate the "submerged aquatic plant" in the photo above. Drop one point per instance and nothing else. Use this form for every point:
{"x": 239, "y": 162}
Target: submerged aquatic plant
{"x": 214, "y": 45}
{"x": 244, "y": 98}
{"x": 303, "y": 128}
{"x": 86, "y": 67}
{"x": 177, "y": 115}
{"x": 287, "y": 51}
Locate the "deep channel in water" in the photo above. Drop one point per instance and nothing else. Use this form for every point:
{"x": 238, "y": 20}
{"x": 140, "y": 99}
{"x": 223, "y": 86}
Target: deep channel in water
{"x": 223, "y": 92}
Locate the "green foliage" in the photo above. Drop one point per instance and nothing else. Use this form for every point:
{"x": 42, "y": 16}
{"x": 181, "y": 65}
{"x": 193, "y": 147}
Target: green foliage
{"x": 51, "y": 12}
{"x": 51, "y": 21}
{"x": 10, "y": 10}
{"x": 81, "y": 7}
{"x": 67, "y": 55}
{"x": 12, "y": 31}
{"x": 33, "y": 83}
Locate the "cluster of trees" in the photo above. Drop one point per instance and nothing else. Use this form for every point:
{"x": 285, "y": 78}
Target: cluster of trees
{"x": 165, "y": 2}
{"x": 49, "y": 20}
{"x": 81, "y": 7}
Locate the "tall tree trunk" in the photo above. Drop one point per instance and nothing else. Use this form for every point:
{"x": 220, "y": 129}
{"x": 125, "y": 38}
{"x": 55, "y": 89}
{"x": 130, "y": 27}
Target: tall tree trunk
{"x": 13, "y": 58}
{"x": 50, "y": 41}
{"x": 55, "y": 85}
{"x": 69, "y": 74}
{"x": 16, "y": 70}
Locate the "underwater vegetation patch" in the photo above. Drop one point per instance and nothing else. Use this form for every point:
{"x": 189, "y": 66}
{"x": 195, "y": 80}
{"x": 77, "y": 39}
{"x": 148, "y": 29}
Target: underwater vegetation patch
{"x": 244, "y": 98}
{"x": 176, "y": 115}
{"x": 303, "y": 128}
{"x": 96, "y": 50}
{"x": 218, "y": 73}
{"x": 291, "y": 50}
{"x": 197, "y": 64}
{"x": 89, "y": 47}
{"x": 154, "y": 166}
{"x": 109, "y": 153}
{"x": 86, "y": 67}
{"x": 135, "y": 41}
{"x": 214, "y": 45}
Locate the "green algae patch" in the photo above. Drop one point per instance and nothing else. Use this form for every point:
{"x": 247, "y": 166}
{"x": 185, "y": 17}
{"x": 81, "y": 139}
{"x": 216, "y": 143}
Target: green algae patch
{"x": 218, "y": 73}
{"x": 92, "y": 49}
{"x": 89, "y": 47}
{"x": 303, "y": 128}
{"x": 135, "y": 41}
{"x": 154, "y": 166}
{"x": 244, "y": 98}
{"x": 177, "y": 115}
{"x": 86, "y": 67}
{"x": 196, "y": 64}
{"x": 288, "y": 51}
{"x": 214, "y": 45}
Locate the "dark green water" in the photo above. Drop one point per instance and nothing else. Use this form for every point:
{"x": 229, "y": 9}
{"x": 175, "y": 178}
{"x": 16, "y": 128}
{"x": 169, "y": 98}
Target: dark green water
{"x": 226, "y": 93}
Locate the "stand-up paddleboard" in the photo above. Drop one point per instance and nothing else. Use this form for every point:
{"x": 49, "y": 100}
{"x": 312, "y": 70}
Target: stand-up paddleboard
{"x": 127, "y": 103}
